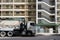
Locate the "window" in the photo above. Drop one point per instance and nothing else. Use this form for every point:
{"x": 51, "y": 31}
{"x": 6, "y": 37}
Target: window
{"x": 32, "y": 24}
{"x": 29, "y": 13}
{"x": 58, "y": 12}
{"x": 6, "y": 12}
{"x": 7, "y": 0}
{"x": 22, "y": 11}
{"x": 22, "y": 0}
{"x": 17, "y": 0}
{"x": 52, "y": 10}
{"x": 39, "y": 0}
{"x": 7, "y": 6}
{"x": 29, "y": 6}
{"x": 34, "y": 6}
{"x": 39, "y": 6}
{"x": 34, "y": 0}
{"x": 17, "y": 6}
{"x": 17, "y": 12}
{"x": 39, "y": 14}
{"x": 22, "y": 6}
{"x": 29, "y": 19}
{"x": 29, "y": 0}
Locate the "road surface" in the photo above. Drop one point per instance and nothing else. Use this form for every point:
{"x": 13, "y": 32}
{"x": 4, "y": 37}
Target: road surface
{"x": 32, "y": 38}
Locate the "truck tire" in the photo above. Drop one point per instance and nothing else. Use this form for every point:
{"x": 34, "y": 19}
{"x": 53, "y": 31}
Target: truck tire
{"x": 3, "y": 34}
{"x": 29, "y": 33}
{"x": 10, "y": 34}
{"x": 23, "y": 33}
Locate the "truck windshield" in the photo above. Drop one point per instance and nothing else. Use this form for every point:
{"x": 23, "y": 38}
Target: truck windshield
{"x": 32, "y": 24}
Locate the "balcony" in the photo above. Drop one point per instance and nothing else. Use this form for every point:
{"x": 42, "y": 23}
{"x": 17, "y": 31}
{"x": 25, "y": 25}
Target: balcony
{"x": 31, "y": 13}
{"x": 7, "y": 13}
{"x": 31, "y": 1}
{"x": 7, "y": 7}
{"x": 19, "y": 6}
{"x": 31, "y": 6}
{"x": 19, "y": 0}
{"x": 19, "y": 13}
{"x": 31, "y": 19}
{"x": 50, "y": 11}
{"x": 7, "y": 1}
{"x": 50, "y": 18}
{"x": 42, "y": 21}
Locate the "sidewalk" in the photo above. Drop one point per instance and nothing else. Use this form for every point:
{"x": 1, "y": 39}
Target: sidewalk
{"x": 48, "y": 34}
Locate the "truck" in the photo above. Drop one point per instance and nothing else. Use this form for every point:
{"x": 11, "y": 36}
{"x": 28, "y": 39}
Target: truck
{"x": 11, "y": 27}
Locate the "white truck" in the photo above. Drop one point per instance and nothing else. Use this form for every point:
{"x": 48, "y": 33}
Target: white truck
{"x": 10, "y": 28}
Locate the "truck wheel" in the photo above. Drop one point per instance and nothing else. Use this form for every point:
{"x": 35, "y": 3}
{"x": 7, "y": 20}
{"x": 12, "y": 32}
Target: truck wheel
{"x": 3, "y": 34}
{"x": 29, "y": 33}
{"x": 23, "y": 33}
{"x": 10, "y": 34}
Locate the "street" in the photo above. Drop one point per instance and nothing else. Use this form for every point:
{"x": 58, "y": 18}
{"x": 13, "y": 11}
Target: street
{"x": 32, "y": 38}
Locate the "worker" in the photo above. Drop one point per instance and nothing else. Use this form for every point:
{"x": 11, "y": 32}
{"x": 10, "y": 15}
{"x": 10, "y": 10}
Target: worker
{"x": 21, "y": 27}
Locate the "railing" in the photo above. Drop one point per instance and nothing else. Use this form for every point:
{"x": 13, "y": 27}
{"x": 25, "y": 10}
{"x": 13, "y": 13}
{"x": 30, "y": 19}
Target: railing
{"x": 50, "y": 19}
{"x": 50, "y": 2}
{"x": 50, "y": 11}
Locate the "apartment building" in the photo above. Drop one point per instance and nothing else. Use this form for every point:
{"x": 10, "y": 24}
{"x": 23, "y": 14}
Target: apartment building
{"x": 46, "y": 15}
{"x": 58, "y": 13}
{"x": 18, "y": 9}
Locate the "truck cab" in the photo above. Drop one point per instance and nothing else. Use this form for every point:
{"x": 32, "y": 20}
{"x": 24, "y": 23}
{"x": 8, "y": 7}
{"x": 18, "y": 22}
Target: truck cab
{"x": 30, "y": 28}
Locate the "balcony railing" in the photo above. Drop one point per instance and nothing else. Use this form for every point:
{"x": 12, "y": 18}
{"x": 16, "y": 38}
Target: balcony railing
{"x": 50, "y": 11}
{"x": 50, "y": 19}
{"x": 7, "y": 13}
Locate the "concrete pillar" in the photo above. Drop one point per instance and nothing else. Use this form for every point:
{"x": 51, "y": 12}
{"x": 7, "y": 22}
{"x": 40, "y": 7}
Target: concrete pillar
{"x": 51, "y": 30}
{"x": 58, "y": 29}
